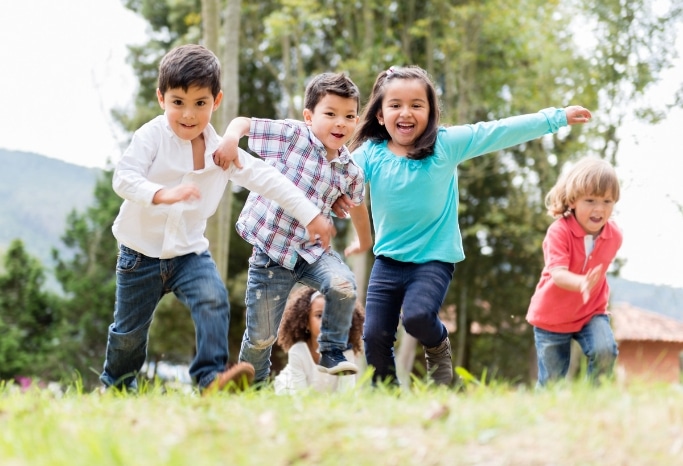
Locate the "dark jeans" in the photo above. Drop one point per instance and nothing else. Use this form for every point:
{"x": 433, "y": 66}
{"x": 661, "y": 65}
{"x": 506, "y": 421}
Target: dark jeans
{"x": 141, "y": 282}
{"x": 407, "y": 291}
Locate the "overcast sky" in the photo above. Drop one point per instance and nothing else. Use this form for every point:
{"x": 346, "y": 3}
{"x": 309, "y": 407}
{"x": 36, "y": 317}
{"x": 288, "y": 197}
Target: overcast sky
{"x": 63, "y": 68}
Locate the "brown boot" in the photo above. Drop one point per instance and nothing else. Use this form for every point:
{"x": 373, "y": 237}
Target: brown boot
{"x": 237, "y": 378}
{"x": 439, "y": 363}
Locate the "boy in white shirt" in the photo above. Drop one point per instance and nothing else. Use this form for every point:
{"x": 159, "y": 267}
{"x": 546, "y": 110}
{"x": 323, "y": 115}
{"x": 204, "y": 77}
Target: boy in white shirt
{"x": 171, "y": 186}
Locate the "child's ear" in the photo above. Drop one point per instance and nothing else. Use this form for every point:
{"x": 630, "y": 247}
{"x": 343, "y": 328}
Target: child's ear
{"x": 160, "y": 99}
{"x": 217, "y": 101}
{"x": 308, "y": 117}
{"x": 380, "y": 117}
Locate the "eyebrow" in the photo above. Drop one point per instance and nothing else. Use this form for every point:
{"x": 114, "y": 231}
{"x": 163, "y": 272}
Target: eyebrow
{"x": 328, "y": 108}
{"x": 396, "y": 99}
{"x": 176, "y": 96}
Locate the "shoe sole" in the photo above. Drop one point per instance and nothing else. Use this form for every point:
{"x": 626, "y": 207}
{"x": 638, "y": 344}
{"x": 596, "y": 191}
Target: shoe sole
{"x": 237, "y": 378}
{"x": 344, "y": 368}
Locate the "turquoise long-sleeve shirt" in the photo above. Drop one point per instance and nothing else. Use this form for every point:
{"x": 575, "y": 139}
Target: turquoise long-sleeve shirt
{"x": 415, "y": 202}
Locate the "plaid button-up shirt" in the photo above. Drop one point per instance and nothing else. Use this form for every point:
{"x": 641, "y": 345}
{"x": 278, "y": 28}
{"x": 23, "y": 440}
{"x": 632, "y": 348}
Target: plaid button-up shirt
{"x": 292, "y": 148}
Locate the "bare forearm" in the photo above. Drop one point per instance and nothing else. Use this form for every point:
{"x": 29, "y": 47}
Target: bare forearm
{"x": 238, "y": 128}
{"x": 361, "y": 222}
{"x": 566, "y": 280}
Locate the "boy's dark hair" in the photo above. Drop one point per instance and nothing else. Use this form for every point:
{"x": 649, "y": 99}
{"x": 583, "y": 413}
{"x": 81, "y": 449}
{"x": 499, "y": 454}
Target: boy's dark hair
{"x": 190, "y": 65}
{"x": 369, "y": 127}
{"x": 294, "y": 325}
{"x": 330, "y": 83}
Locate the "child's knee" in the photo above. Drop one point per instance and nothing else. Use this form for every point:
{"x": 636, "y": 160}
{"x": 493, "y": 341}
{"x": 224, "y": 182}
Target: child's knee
{"x": 342, "y": 288}
{"x": 606, "y": 352}
{"x": 262, "y": 343}
{"x": 415, "y": 320}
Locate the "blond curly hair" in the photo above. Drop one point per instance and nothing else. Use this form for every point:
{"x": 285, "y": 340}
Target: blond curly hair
{"x": 590, "y": 176}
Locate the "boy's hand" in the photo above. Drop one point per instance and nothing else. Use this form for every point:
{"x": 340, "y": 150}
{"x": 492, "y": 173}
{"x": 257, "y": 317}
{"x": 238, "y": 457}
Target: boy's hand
{"x": 227, "y": 153}
{"x": 183, "y": 192}
{"x": 577, "y": 114}
{"x": 589, "y": 281}
{"x": 342, "y": 206}
{"x": 322, "y": 230}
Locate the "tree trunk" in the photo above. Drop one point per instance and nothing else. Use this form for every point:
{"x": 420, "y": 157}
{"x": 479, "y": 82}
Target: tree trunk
{"x": 220, "y": 224}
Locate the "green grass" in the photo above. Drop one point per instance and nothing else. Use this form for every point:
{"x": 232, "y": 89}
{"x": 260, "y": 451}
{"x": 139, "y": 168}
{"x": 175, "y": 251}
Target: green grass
{"x": 572, "y": 424}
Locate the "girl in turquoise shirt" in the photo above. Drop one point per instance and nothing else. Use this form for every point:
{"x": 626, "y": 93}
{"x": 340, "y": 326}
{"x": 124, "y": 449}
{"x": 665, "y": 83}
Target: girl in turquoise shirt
{"x": 407, "y": 158}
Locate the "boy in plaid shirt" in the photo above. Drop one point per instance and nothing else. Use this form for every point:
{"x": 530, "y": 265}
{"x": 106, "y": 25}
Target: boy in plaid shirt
{"x": 313, "y": 155}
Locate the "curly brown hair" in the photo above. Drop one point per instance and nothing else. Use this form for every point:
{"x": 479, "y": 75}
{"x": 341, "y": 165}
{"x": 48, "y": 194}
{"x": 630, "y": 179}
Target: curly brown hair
{"x": 294, "y": 325}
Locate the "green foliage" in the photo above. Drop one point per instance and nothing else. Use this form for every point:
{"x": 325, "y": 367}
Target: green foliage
{"x": 86, "y": 270}
{"x": 172, "y": 336}
{"x": 29, "y": 317}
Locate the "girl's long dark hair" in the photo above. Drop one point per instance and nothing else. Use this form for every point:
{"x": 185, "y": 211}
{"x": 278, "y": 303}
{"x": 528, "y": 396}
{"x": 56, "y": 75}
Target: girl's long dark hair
{"x": 369, "y": 127}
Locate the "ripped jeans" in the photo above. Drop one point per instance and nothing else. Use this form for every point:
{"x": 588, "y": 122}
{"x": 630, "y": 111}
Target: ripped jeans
{"x": 268, "y": 287}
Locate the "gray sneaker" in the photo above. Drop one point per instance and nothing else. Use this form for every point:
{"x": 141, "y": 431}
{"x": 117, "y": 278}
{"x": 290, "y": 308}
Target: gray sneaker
{"x": 439, "y": 363}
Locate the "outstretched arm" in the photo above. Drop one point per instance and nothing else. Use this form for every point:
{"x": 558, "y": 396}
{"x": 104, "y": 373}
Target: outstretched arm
{"x": 227, "y": 149}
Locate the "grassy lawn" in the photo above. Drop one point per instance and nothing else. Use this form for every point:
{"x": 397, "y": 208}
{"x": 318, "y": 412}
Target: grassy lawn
{"x": 572, "y": 424}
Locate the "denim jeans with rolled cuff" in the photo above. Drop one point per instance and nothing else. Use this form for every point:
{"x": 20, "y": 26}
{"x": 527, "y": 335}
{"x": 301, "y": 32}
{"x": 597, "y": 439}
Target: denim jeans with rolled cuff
{"x": 141, "y": 282}
{"x": 268, "y": 287}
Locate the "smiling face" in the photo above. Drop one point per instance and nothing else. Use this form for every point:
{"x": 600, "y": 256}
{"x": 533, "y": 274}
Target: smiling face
{"x": 404, "y": 113}
{"x": 333, "y": 121}
{"x": 188, "y": 112}
{"x": 592, "y": 212}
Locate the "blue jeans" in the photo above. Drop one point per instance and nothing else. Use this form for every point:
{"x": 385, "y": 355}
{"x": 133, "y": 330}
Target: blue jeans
{"x": 554, "y": 349}
{"x": 268, "y": 287}
{"x": 141, "y": 282}
{"x": 418, "y": 290}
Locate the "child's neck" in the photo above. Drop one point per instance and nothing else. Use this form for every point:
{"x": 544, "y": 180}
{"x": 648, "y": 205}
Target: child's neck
{"x": 331, "y": 154}
{"x": 398, "y": 150}
{"x": 313, "y": 348}
{"x": 198, "y": 149}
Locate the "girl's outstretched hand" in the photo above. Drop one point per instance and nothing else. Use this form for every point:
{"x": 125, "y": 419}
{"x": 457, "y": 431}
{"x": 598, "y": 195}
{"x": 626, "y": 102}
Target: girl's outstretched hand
{"x": 577, "y": 114}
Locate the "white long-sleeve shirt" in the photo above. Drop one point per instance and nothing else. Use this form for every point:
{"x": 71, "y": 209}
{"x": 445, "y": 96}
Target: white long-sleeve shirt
{"x": 301, "y": 372}
{"x": 156, "y": 158}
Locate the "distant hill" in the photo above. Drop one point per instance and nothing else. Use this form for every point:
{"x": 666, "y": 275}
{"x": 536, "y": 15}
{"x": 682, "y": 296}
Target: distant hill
{"x": 665, "y": 300}
{"x": 36, "y": 195}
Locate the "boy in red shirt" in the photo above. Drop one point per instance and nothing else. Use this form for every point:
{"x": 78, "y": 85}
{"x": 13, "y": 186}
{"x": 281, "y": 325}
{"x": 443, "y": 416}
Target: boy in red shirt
{"x": 570, "y": 301}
